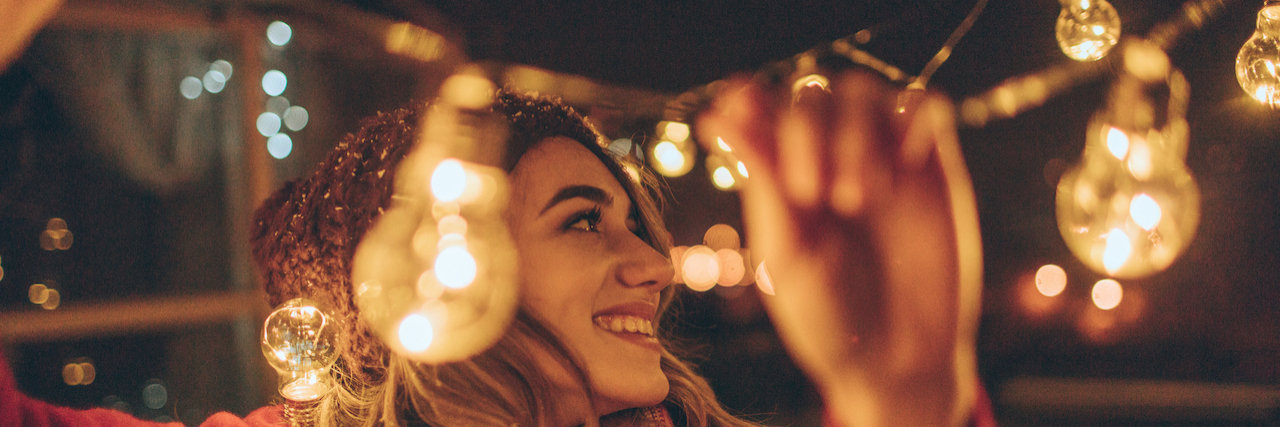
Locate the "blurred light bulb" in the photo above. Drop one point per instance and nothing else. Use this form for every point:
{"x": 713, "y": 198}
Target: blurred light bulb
{"x": 722, "y": 178}
{"x": 435, "y": 276}
{"x": 1051, "y": 280}
{"x": 1131, "y": 206}
{"x": 1258, "y": 58}
{"x": 1107, "y": 294}
{"x": 300, "y": 341}
{"x": 279, "y": 33}
{"x": 1087, "y": 29}
{"x": 675, "y": 131}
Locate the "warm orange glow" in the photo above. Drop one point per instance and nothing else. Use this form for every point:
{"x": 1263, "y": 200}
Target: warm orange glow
{"x": 38, "y": 293}
{"x": 448, "y": 181}
{"x": 452, "y": 224}
{"x": 731, "y": 267}
{"x": 722, "y": 178}
{"x": 723, "y": 145}
{"x": 53, "y": 301}
{"x": 1107, "y": 294}
{"x": 455, "y": 267}
{"x": 676, "y": 132}
{"x": 722, "y": 236}
{"x": 415, "y": 332}
{"x": 763, "y": 280}
{"x": 72, "y": 374}
{"x": 669, "y": 158}
{"x": 742, "y": 170}
{"x": 700, "y": 268}
{"x": 1117, "y": 143}
{"x": 1145, "y": 211}
{"x": 1117, "y": 250}
{"x": 1051, "y": 280}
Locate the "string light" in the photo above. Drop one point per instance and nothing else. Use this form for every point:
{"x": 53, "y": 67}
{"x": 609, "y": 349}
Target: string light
{"x": 436, "y": 275}
{"x": 1087, "y": 29}
{"x": 279, "y": 145}
{"x": 1258, "y": 58}
{"x": 273, "y": 82}
{"x": 1107, "y": 294}
{"x": 279, "y": 33}
{"x": 1051, "y": 280}
{"x": 299, "y": 340}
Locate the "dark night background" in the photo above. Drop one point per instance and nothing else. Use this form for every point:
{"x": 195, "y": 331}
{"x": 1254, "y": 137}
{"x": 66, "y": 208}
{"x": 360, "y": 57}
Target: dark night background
{"x": 1212, "y": 318}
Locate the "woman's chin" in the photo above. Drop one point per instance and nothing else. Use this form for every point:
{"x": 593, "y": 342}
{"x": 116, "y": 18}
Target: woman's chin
{"x": 631, "y": 396}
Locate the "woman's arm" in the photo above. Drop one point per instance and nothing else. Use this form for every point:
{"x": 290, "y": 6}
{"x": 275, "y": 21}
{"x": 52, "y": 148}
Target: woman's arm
{"x": 862, "y": 208}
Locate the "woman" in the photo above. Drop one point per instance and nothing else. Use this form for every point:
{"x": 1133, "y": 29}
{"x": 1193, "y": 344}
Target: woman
{"x": 858, "y": 202}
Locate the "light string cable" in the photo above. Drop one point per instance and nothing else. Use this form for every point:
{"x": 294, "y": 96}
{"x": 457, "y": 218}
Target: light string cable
{"x": 1022, "y": 93}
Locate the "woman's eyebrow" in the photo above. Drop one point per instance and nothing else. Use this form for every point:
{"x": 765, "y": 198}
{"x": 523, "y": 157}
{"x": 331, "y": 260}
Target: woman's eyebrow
{"x": 595, "y": 194}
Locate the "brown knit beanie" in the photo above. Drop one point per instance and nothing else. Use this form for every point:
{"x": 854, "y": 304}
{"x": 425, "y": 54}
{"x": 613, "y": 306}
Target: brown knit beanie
{"x": 305, "y": 235}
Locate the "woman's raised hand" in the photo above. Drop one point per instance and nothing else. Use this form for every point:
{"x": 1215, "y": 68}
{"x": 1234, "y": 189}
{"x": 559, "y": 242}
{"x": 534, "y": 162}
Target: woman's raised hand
{"x": 862, "y": 209}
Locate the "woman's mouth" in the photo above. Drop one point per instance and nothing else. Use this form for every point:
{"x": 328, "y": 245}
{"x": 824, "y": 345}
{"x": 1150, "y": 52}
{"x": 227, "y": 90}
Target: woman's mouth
{"x": 624, "y": 324}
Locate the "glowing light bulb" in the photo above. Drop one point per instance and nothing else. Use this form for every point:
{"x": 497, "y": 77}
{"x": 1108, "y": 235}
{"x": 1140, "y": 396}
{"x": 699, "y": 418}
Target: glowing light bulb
{"x": 1131, "y": 206}
{"x": 435, "y": 276}
{"x": 300, "y": 341}
{"x": 1087, "y": 29}
{"x": 1258, "y": 58}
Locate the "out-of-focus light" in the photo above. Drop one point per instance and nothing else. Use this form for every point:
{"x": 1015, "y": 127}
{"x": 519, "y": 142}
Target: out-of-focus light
{"x": 449, "y": 180}
{"x": 154, "y": 395}
{"x": 38, "y": 293}
{"x": 72, "y": 374}
{"x": 279, "y": 33}
{"x": 455, "y": 267}
{"x": 89, "y": 373}
{"x": 278, "y": 104}
{"x": 1118, "y": 143}
{"x": 671, "y": 161}
{"x": 722, "y": 178}
{"x": 723, "y": 145}
{"x": 280, "y": 145}
{"x": 700, "y": 268}
{"x": 742, "y": 170}
{"x": 223, "y": 67}
{"x": 214, "y": 81}
{"x": 722, "y": 236}
{"x": 620, "y": 147}
{"x": 763, "y": 281}
{"x": 296, "y": 118}
{"x": 300, "y": 340}
{"x": 1107, "y": 294}
{"x": 1051, "y": 280}
{"x": 676, "y": 131}
{"x": 274, "y": 82}
{"x": 731, "y": 268}
{"x": 268, "y": 124}
{"x": 452, "y": 224}
{"x": 53, "y": 301}
{"x": 416, "y": 332}
{"x": 1145, "y": 211}
{"x": 812, "y": 81}
{"x": 1117, "y": 250}
{"x": 1087, "y": 29}
{"x": 191, "y": 87}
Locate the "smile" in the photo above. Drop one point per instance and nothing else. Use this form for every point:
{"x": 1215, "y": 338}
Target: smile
{"x": 625, "y": 324}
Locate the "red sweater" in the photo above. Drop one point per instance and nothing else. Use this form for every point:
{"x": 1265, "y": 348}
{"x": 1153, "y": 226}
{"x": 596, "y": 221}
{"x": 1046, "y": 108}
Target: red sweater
{"x": 19, "y": 410}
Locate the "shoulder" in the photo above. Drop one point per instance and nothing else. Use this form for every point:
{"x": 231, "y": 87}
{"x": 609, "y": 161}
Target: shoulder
{"x": 263, "y": 417}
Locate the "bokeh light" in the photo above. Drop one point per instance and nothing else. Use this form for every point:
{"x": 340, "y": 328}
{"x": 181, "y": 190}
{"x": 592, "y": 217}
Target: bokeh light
{"x": 1117, "y": 250}
{"x": 191, "y": 87}
{"x": 1145, "y": 211}
{"x": 722, "y": 178}
{"x": 724, "y": 146}
{"x": 620, "y": 147}
{"x": 1107, "y": 294}
{"x": 455, "y": 267}
{"x": 279, "y": 33}
{"x": 223, "y": 67}
{"x": 722, "y": 236}
{"x": 742, "y": 170}
{"x": 278, "y": 104}
{"x": 268, "y": 124}
{"x": 274, "y": 82}
{"x": 296, "y": 118}
{"x": 155, "y": 395}
{"x": 53, "y": 301}
{"x": 280, "y": 145}
{"x": 452, "y": 224}
{"x": 214, "y": 81}
{"x": 1117, "y": 143}
{"x": 72, "y": 374}
{"x": 763, "y": 281}
{"x": 415, "y": 332}
{"x": 676, "y": 131}
{"x": 731, "y": 267}
{"x": 38, "y": 293}
{"x": 449, "y": 180}
{"x": 700, "y": 268}
{"x": 670, "y": 159}
{"x": 1051, "y": 280}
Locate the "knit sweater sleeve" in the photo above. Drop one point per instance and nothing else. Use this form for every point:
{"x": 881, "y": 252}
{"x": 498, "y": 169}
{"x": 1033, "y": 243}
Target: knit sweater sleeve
{"x": 20, "y": 410}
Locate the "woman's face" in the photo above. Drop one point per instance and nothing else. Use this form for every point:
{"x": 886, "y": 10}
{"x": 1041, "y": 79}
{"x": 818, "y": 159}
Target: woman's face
{"x": 586, "y": 273}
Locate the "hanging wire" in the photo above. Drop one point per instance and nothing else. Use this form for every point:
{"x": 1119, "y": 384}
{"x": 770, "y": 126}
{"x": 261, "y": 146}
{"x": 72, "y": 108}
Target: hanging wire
{"x": 945, "y": 53}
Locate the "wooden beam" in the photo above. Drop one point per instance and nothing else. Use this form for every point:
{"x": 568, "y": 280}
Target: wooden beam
{"x": 71, "y": 321}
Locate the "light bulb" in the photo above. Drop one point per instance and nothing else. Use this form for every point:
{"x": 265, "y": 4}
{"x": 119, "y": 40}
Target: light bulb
{"x": 300, "y": 341}
{"x": 1131, "y": 206}
{"x": 435, "y": 277}
{"x": 1087, "y": 29}
{"x": 1258, "y": 58}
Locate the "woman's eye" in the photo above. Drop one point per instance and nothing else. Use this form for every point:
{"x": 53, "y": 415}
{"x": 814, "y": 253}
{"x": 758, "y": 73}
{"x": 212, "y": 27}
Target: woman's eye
{"x": 586, "y": 221}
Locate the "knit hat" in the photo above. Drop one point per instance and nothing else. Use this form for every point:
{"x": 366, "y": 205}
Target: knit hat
{"x": 305, "y": 235}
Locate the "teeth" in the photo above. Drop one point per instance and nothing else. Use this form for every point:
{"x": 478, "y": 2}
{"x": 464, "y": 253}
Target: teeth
{"x": 621, "y": 324}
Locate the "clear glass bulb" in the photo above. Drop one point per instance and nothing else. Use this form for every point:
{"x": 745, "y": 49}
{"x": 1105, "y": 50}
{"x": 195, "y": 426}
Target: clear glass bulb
{"x": 300, "y": 340}
{"x": 1087, "y": 29}
{"x": 1131, "y": 207}
{"x": 1258, "y": 58}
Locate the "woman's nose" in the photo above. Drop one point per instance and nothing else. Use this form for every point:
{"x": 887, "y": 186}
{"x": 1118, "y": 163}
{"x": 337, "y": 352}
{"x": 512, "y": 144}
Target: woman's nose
{"x": 644, "y": 266}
